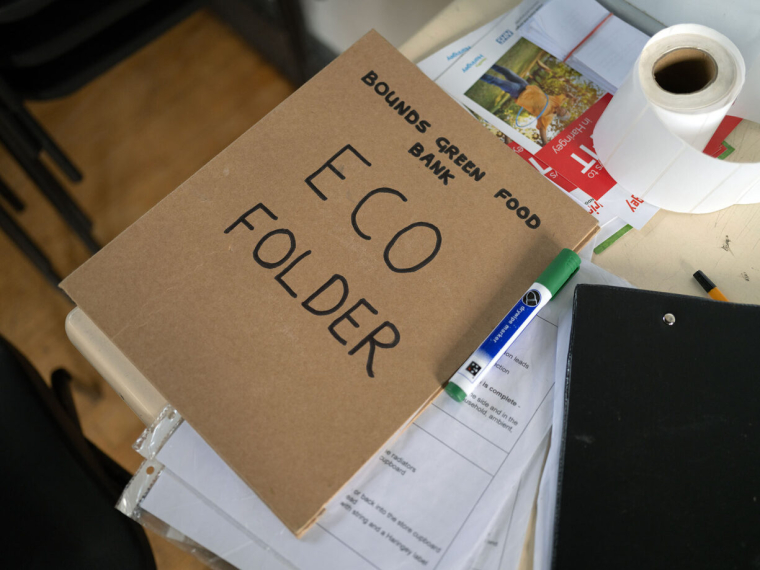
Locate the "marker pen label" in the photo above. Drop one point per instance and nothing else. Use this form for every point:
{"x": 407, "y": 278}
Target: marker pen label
{"x": 497, "y": 343}
{"x": 540, "y": 293}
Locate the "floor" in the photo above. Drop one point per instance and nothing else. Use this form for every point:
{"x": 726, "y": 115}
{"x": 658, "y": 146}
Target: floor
{"x": 136, "y": 132}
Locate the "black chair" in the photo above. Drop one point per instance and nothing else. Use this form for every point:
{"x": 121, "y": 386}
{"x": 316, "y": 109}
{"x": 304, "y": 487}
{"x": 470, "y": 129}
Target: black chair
{"x": 48, "y": 49}
{"x": 57, "y": 490}
{"x": 22, "y": 240}
{"x": 12, "y": 10}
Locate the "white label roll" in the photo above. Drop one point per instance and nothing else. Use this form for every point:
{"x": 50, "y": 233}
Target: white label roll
{"x": 650, "y": 137}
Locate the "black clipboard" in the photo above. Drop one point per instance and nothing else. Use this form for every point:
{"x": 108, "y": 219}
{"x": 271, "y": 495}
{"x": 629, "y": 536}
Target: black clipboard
{"x": 660, "y": 459}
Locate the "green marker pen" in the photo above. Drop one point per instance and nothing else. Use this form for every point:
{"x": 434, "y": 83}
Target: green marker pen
{"x": 482, "y": 360}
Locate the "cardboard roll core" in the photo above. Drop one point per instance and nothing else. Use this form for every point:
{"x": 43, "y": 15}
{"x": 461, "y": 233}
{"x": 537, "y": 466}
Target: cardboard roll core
{"x": 685, "y": 70}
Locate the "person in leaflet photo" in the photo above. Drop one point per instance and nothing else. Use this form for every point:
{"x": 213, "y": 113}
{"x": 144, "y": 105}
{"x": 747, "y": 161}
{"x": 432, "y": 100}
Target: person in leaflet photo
{"x": 533, "y": 92}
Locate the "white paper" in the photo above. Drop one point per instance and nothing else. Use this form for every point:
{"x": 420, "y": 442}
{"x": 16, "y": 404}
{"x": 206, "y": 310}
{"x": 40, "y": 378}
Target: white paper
{"x": 609, "y": 53}
{"x": 562, "y": 25}
{"x": 547, "y": 493}
{"x": 585, "y": 35}
{"x": 504, "y": 543}
{"x": 434, "y": 65}
{"x": 440, "y": 61}
{"x": 182, "y": 508}
{"x": 746, "y": 103}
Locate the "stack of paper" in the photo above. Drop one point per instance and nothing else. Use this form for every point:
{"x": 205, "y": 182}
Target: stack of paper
{"x": 588, "y": 38}
{"x": 562, "y": 26}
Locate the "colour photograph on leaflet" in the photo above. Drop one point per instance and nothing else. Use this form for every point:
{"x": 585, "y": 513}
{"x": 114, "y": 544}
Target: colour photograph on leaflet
{"x": 533, "y": 92}
{"x": 494, "y": 131}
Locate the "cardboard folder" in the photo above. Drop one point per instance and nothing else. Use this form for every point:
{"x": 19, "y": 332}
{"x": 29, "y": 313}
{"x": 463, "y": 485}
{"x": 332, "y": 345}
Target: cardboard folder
{"x": 311, "y": 288}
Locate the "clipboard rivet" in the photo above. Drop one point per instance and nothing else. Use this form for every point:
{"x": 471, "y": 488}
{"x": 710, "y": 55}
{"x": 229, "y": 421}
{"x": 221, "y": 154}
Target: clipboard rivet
{"x": 669, "y": 318}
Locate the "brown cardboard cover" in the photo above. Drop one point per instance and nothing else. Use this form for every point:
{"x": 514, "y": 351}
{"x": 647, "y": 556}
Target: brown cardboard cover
{"x": 211, "y": 310}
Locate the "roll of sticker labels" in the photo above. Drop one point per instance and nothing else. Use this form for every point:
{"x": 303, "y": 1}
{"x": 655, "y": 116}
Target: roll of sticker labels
{"x": 651, "y": 136}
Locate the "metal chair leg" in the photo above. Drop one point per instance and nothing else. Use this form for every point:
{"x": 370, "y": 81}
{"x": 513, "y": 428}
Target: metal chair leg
{"x": 50, "y": 187}
{"x": 25, "y": 140}
{"x": 16, "y": 105}
{"x": 26, "y": 151}
{"x": 60, "y": 384}
{"x": 10, "y": 196}
{"x": 48, "y": 144}
{"x": 29, "y": 248}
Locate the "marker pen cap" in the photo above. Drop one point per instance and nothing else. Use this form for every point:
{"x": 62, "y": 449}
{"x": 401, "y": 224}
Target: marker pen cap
{"x": 704, "y": 281}
{"x": 559, "y": 271}
{"x": 455, "y": 392}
